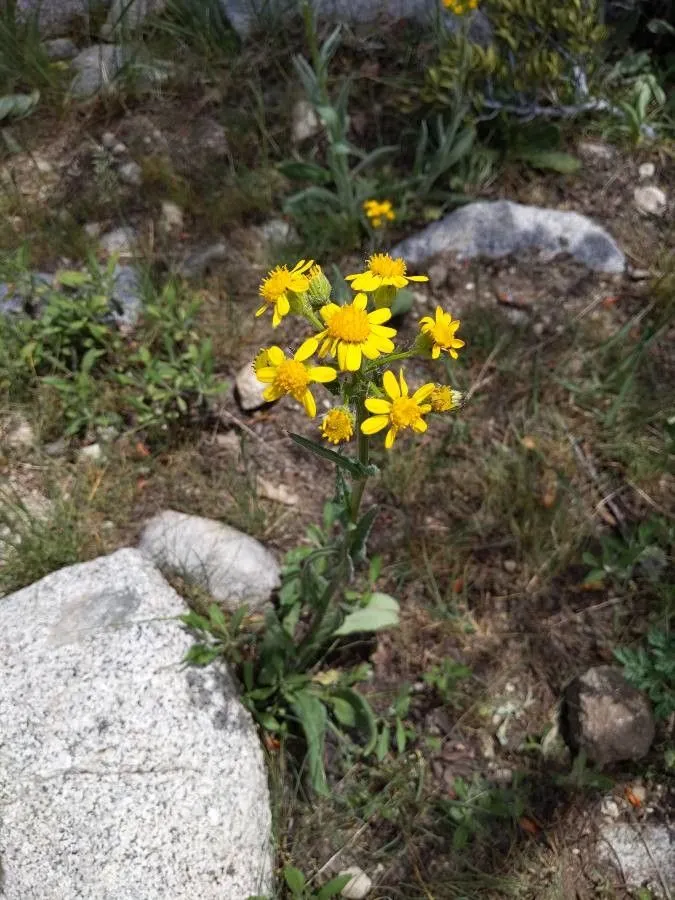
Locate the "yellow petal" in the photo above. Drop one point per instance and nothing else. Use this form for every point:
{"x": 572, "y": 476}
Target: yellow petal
{"x": 422, "y": 393}
{"x": 390, "y": 438}
{"x": 272, "y": 393}
{"x": 420, "y": 426}
{"x": 275, "y": 355}
{"x": 266, "y": 374}
{"x": 435, "y": 351}
{"x": 404, "y": 386}
{"x": 322, "y": 373}
{"x": 353, "y": 357}
{"x": 342, "y": 356}
{"x": 380, "y": 407}
{"x": 283, "y": 306}
{"x": 309, "y": 403}
{"x": 390, "y": 385}
{"x": 306, "y": 349}
{"x": 365, "y": 282}
{"x": 328, "y": 311}
{"x": 360, "y": 301}
{"x": 378, "y": 316}
{"x": 374, "y": 424}
{"x": 417, "y": 278}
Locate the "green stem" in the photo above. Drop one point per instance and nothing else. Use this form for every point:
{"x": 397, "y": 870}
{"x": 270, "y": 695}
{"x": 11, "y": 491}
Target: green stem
{"x": 360, "y": 483}
{"x": 390, "y": 358}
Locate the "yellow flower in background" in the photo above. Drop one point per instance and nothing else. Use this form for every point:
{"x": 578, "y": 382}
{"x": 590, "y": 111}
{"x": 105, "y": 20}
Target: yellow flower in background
{"x": 293, "y": 376}
{"x": 338, "y": 425}
{"x": 276, "y": 287}
{"x": 351, "y": 333}
{"x": 441, "y": 332}
{"x": 459, "y": 7}
{"x": 383, "y": 270}
{"x": 401, "y": 411}
{"x": 444, "y": 399}
{"x": 379, "y": 212}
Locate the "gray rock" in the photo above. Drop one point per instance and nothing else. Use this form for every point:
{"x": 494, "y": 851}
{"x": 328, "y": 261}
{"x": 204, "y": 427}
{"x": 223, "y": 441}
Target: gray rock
{"x": 249, "y": 391}
{"x": 96, "y": 69}
{"x": 606, "y": 717}
{"x": 277, "y": 231}
{"x": 305, "y": 121}
{"x": 91, "y": 453}
{"x": 121, "y": 241}
{"x": 199, "y": 262}
{"x": 644, "y": 855}
{"x": 61, "y": 48}
{"x": 593, "y": 151}
{"x": 358, "y": 886}
{"x": 233, "y": 567}
{"x": 119, "y": 149}
{"x": 125, "y": 15}
{"x": 211, "y": 137}
{"x": 171, "y": 218}
{"x": 108, "y": 140}
{"x": 650, "y": 200}
{"x": 124, "y": 775}
{"x": 20, "y": 434}
{"x": 646, "y": 170}
{"x": 55, "y": 17}
{"x": 126, "y": 296}
{"x": 131, "y": 173}
{"x": 502, "y": 228}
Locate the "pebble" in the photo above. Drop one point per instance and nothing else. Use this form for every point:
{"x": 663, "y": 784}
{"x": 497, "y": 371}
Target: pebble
{"x": 249, "y": 390}
{"x": 596, "y": 150}
{"x": 22, "y": 435}
{"x": 646, "y": 170}
{"x": 650, "y": 199}
{"x": 108, "y": 140}
{"x": 171, "y": 218}
{"x": 121, "y": 241}
{"x": 131, "y": 173}
{"x": 60, "y": 48}
{"x": 93, "y": 229}
{"x": 91, "y": 453}
{"x": 119, "y": 149}
{"x": 610, "y": 808}
{"x": 538, "y": 328}
{"x": 510, "y": 565}
{"x": 358, "y": 886}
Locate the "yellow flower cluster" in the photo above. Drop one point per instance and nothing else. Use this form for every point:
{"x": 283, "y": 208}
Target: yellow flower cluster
{"x": 379, "y": 212}
{"x": 460, "y": 7}
{"x": 360, "y": 343}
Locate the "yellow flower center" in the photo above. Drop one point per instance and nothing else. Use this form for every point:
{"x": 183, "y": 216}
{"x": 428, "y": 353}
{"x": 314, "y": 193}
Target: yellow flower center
{"x": 337, "y": 426}
{"x": 443, "y": 333}
{"x": 382, "y": 264}
{"x": 276, "y": 284}
{"x": 404, "y": 412}
{"x": 292, "y": 377}
{"x": 441, "y": 399}
{"x": 350, "y": 324}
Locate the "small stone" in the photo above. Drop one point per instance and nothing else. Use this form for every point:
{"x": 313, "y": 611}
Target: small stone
{"x": 510, "y": 566}
{"x": 43, "y": 166}
{"x": 650, "y": 200}
{"x": 646, "y": 170}
{"x": 233, "y": 567}
{"x": 609, "y": 808}
{"x": 108, "y": 140}
{"x": 642, "y": 855}
{"x": 21, "y": 435}
{"x": 278, "y": 493}
{"x": 502, "y": 775}
{"x": 121, "y": 241}
{"x": 60, "y": 48}
{"x": 306, "y": 123}
{"x": 56, "y": 448}
{"x": 93, "y": 229}
{"x": 358, "y": 886}
{"x": 277, "y": 231}
{"x": 606, "y": 717}
{"x": 639, "y": 274}
{"x": 639, "y": 792}
{"x": 91, "y": 453}
{"x": 96, "y": 69}
{"x": 171, "y": 218}
{"x": 598, "y": 151}
{"x": 131, "y": 173}
{"x": 199, "y": 262}
{"x": 249, "y": 391}
{"x": 119, "y": 149}
{"x": 538, "y": 328}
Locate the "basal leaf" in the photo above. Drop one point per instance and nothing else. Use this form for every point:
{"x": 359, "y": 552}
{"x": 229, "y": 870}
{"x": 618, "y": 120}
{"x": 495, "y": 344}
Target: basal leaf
{"x": 380, "y": 612}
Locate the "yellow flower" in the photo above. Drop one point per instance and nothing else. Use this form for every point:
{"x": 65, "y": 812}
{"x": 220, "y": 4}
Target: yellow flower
{"x": 275, "y": 288}
{"x": 293, "y": 376}
{"x": 338, "y": 425}
{"x": 441, "y": 332}
{"x": 400, "y": 411}
{"x": 378, "y": 212}
{"x": 443, "y": 399}
{"x": 459, "y": 7}
{"x": 351, "y": 333}
{"x": 383, "y": 270}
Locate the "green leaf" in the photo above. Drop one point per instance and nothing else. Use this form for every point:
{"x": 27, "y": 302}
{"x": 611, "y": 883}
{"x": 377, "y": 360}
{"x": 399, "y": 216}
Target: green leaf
{"x": 333, "y": 887}
{"x": 305, "y": 171}
{"x": 380, "y": 612}
{"x": 268, "y": 721}
{"x": 312, "y": 716}
{"x": 364, "y": 718}
{"x": 295, "y": 880}
{"x": 382, "y": 746}
{"x": 595, "y": 576}
{"x": 343, "y": 711}
{"x": 554, "y": 160}
{"x": 71, "y": 278}
{"x": 349, "y": 465}
{"x": 360, "y": 534}
{"x": 201, "y": 655}
{"x": 402, "y": 302}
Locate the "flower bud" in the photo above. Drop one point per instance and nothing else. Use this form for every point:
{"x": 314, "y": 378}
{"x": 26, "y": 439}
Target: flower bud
{"x": 319, "y": 290}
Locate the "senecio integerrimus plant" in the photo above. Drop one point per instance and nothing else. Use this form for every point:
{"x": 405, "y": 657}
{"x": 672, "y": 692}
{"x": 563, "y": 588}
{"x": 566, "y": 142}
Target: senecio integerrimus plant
{"x": 355, "y": 350}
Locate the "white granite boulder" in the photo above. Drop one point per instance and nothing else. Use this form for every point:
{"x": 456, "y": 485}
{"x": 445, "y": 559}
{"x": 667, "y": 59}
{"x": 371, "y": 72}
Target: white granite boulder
{"x": 233, "y": 567}
{"x": 500, "y": 228}
{"x": 123, "y": 774}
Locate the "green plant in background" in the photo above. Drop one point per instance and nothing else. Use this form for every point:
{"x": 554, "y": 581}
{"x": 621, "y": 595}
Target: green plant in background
{"x": 651, "y": 668}
{"x": 541, "y": 55}
{"x": 298, "y": 887}
{"x": 639, "y": 95}
{"x": 445, "y": 677}
{"x": 643, "y": 552}
{"x": 24, "y": 64}
{"x": 476, "y": 806}
{"x": 282, "y": 666}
